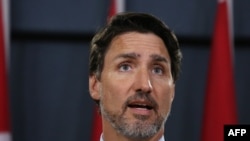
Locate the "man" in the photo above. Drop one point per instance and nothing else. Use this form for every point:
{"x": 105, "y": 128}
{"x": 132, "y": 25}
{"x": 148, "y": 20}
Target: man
{"x": 134, "y": 64}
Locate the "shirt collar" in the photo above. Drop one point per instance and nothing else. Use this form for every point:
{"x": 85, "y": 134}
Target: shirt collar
{"x": 162, "y": 138}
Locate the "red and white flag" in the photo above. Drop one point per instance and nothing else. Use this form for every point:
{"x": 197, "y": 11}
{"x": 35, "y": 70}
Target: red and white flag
{"x": 5, "y": 134}
{"x": 220, "y": 99}
{"x": 116, "y": 6}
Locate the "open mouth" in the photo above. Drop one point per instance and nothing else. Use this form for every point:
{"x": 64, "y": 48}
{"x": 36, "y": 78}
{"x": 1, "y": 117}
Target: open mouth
{"x": 141, "y": 105}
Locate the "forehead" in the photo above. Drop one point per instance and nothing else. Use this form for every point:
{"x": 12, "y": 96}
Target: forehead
{"x": 139, "y": 43}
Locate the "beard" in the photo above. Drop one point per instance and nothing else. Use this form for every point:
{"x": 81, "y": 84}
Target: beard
{"x": 142, "y": 127}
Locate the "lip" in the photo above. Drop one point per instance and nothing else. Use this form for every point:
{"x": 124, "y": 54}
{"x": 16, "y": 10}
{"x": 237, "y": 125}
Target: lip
{"x": 141, "y": 107}
{"x": 141, "y": 111}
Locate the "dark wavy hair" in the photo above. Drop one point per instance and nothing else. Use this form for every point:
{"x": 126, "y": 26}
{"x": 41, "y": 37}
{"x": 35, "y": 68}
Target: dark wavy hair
{"x": 132, "y": 22}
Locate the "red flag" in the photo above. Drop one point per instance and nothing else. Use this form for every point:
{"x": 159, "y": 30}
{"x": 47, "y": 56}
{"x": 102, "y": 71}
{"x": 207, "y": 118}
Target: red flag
{"x": 220, "y": 100}
{"x": 97, "y": 126}
{"x": 116, "y": 6}
{"x": 4, "y": 101}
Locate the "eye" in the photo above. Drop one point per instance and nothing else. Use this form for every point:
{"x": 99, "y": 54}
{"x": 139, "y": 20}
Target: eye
{"x": 125, "y": 67}
{"x": 158, "y": 70}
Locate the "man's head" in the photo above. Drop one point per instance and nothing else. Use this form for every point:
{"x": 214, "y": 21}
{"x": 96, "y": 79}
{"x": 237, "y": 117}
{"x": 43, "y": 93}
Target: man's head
{"x": 134, "y": 64}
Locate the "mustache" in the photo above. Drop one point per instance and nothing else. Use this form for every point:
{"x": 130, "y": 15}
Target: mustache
{"x": 140, "y": 95}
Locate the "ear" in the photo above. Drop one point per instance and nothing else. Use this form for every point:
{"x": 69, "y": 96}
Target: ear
{"x": 94, "y": 85}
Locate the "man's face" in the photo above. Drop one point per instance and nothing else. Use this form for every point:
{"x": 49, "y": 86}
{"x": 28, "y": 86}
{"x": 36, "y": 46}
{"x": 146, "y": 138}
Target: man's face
{"x": 136, "y": 88}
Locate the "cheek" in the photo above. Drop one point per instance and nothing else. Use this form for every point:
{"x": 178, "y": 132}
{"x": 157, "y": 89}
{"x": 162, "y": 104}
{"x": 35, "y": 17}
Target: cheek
{"x": 113, "y": 93}
{"x": 166, "y": 99}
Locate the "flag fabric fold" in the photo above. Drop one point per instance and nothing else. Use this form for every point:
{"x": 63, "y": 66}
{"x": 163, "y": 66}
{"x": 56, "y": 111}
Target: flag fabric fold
{"x": 220, "y": 98}
{"x": 116, "y": 6}
{"x": 5, "y": 134}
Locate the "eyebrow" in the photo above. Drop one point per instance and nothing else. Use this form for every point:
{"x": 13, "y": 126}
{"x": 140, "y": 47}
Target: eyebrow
{"x": 158, "y": 58}
{"x": 128, "y": 55}
{"x": 154, "y": 57}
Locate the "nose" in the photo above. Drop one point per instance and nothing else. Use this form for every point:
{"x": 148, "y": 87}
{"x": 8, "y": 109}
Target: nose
{"x": 143, "y": 82}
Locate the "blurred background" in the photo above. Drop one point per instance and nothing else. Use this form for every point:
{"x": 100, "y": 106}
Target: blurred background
{"x": 49, "y": 64}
